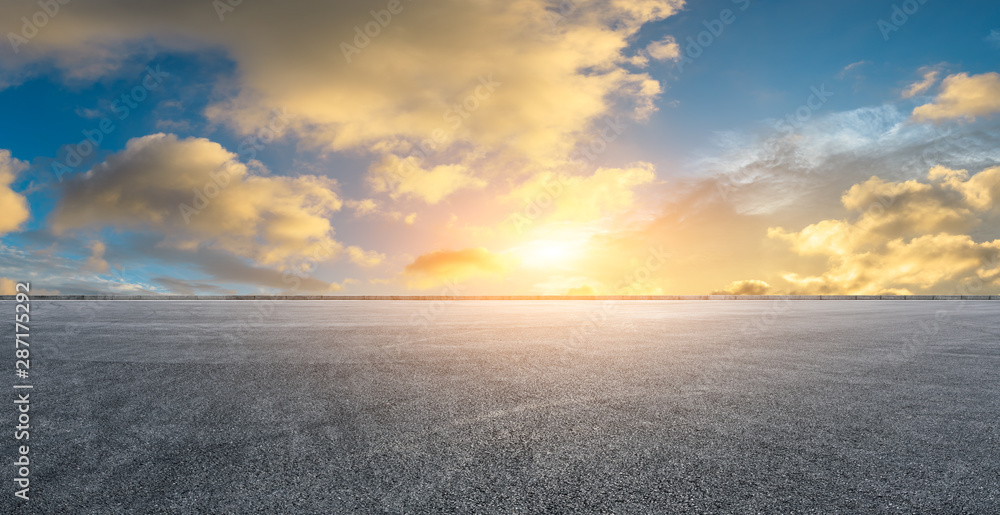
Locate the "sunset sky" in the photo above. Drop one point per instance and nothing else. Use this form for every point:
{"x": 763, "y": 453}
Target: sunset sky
{"x": 500, "y": 147}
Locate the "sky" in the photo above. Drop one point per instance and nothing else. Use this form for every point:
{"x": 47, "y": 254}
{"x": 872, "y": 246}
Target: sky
{"x": 516, "y": 147}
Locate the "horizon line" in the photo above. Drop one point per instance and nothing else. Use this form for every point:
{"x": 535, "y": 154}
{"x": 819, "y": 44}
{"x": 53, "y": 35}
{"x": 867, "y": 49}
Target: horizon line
{"x": 506, "y": 297}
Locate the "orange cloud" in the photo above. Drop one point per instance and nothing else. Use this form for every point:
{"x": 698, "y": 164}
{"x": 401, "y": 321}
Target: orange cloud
{"x": 436, "y": 267}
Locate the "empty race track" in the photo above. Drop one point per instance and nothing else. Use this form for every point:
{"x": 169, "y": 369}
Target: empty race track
{"x": 511, "y": 406}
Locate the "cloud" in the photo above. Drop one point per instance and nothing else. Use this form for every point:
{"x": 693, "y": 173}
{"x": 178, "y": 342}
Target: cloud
{"x": 745, "y": 287}
{"x": 993, "y": 37}
{"x": 930, "y": 77}
{"x": 197, "y": 194}
{"x": 364, "y": 258}
{"x": 362, "y": 207}
{"x": 963, "y": 96}
{"x": 224, "y": 268}
{"x": 184, "y": 287}
{"x": 406, "y": 178}
{"x": 437, "y": 267}
{"x": 15, "y": 206}
{"x": 50, "y": 273}
{"x": 908, "y": 235}
{"x": 582, "y": 198}
{"x": 811, "y": 164}
{"x": 755, "y": 181}
{"x": 586, "y": 289}
{"x": 853, "y": 67}
{"x": 371, "y": 207}
{"x": 9, "y": 287}
{"x": 665, "y": 49}
{"x": 96, "y": 262}
{"x": 344, "y": 89}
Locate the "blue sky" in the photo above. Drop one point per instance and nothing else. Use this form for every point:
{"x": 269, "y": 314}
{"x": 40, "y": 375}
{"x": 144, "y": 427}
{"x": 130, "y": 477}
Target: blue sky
{"x": 325, "y": 178}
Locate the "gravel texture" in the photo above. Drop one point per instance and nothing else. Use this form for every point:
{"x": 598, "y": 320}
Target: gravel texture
{"x": 510, "y": 406}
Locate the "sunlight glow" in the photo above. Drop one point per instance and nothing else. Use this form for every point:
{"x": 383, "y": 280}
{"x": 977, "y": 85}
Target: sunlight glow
{"x": 549, "y": 253}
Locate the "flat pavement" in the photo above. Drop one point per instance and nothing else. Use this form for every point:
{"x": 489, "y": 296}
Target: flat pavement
{"x": 509, "y": 407}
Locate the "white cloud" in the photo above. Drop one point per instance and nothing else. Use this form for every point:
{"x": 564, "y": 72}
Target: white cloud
{"x": 665, "y": 49}
{"x": 994, "y": 37}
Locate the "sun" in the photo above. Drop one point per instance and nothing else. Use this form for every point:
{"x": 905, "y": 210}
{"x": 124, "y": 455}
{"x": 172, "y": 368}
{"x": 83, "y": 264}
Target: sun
{"x": 549, "y": 253}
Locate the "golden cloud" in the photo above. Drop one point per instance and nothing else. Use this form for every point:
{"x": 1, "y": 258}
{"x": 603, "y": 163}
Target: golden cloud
{"x": 963, "y": 96}
{"x": 586, "y": 289}
{"x": 15, "y": 206}
{"x": 362, "y": 207}
{"x": 908, "y": 235}
{"x": 198, "y": 194}
{"x": 580, "y": 198}
{"x": 405, "y": 177}
{"x": 364, "y": 258}
{"x": 520, "y": 75}
{"x": 745, "y": 287}
{"x": 96, "y": 261}
{"x": 437, "y": 267}
{"x": 930, "y": 77}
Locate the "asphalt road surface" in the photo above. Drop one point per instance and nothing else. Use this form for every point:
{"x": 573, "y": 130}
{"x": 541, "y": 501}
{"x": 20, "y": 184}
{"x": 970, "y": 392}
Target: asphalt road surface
{"x": 508, "y": 407}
